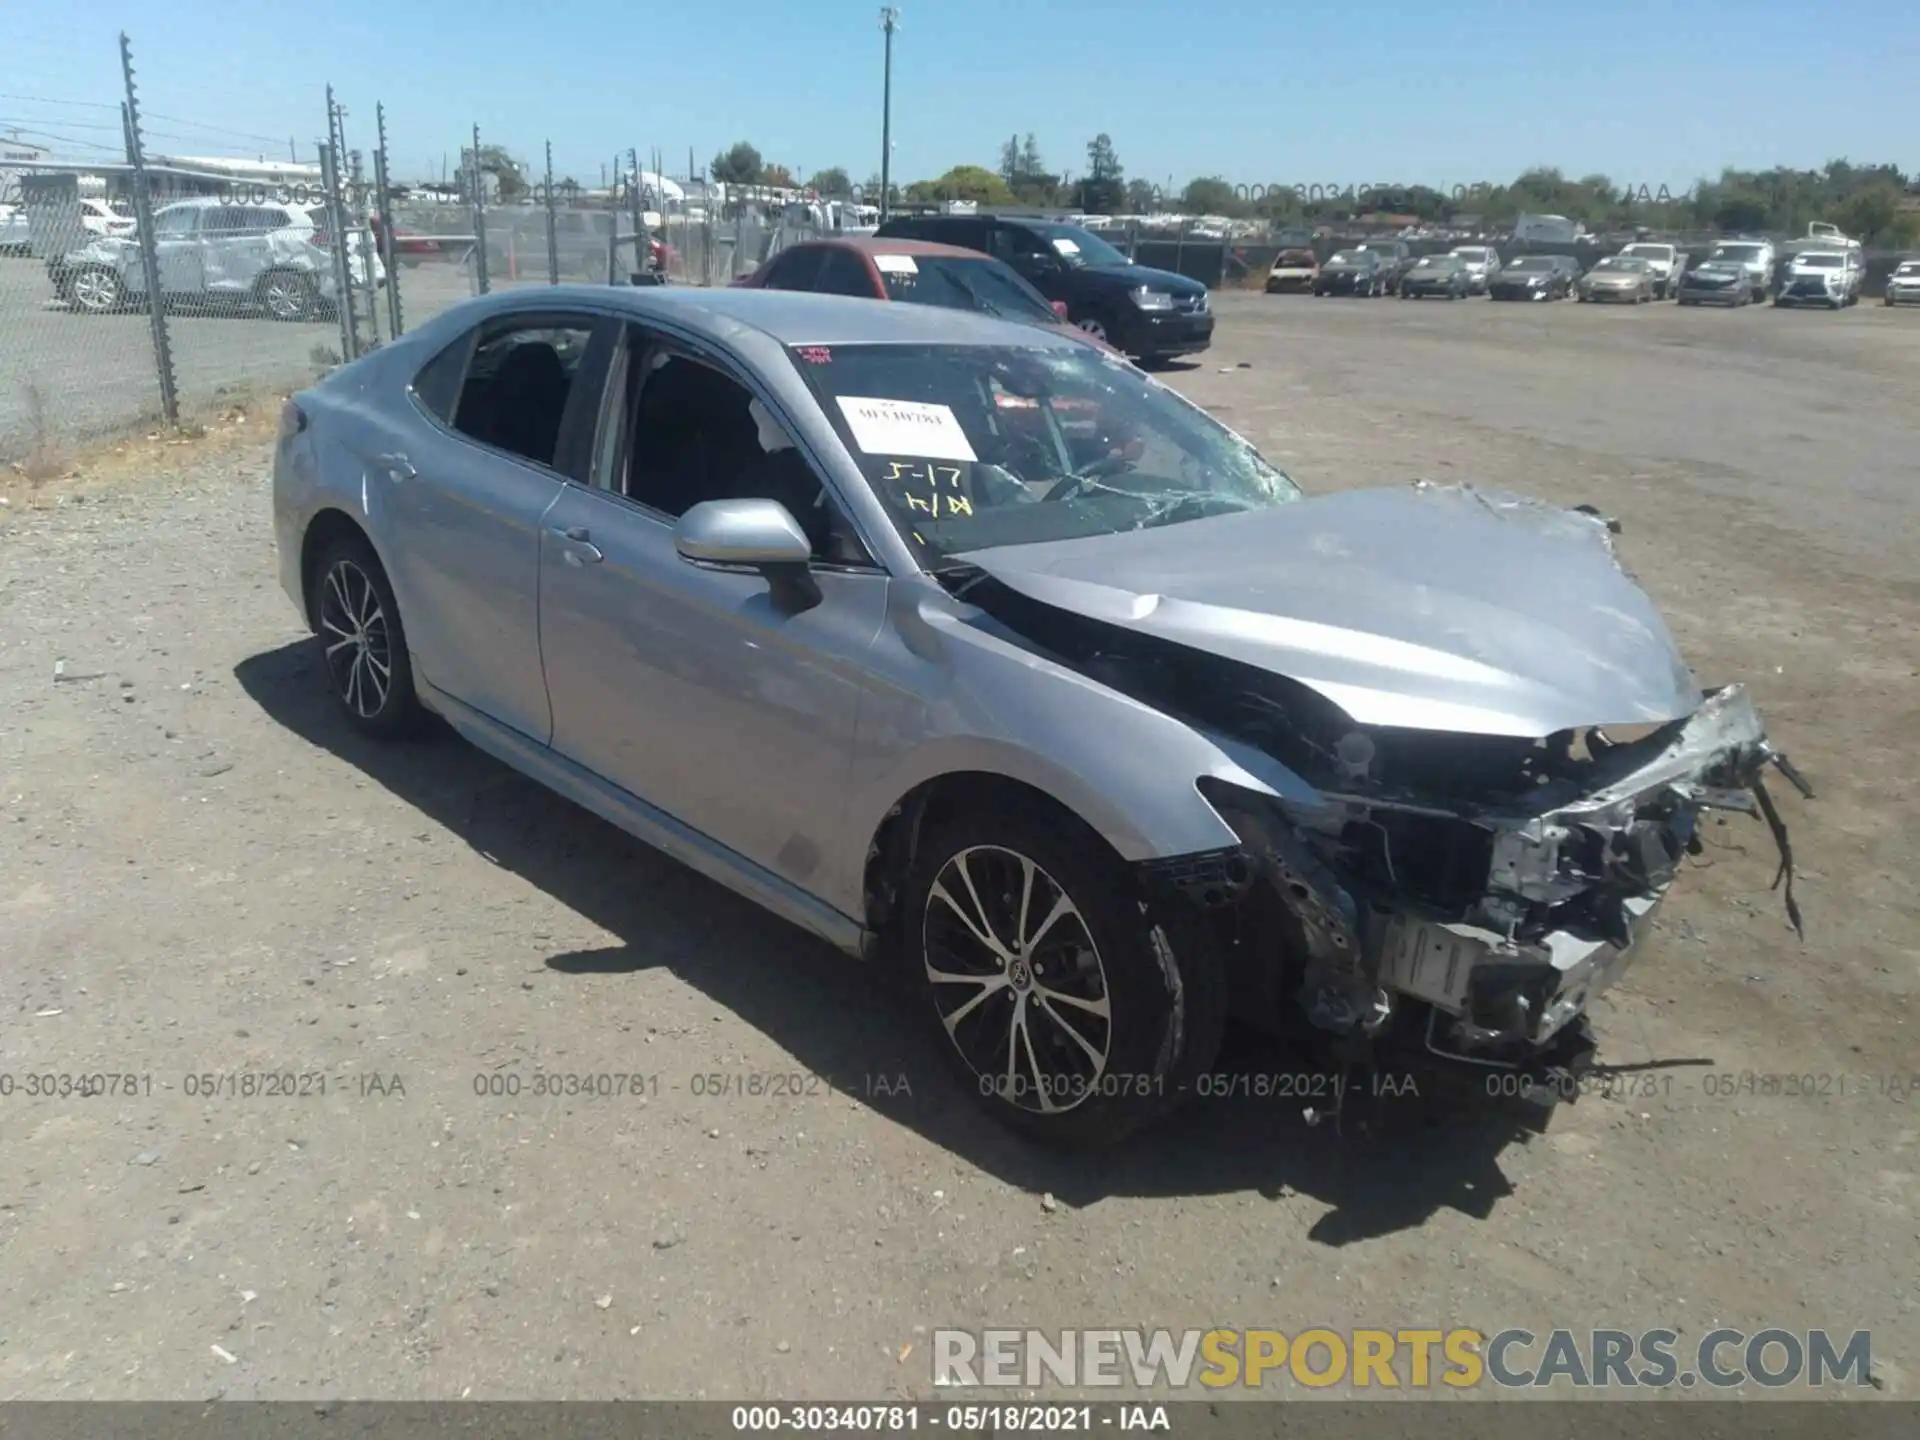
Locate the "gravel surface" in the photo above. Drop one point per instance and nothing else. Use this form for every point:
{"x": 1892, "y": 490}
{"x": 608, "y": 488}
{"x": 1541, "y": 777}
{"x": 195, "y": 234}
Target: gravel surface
{"x": 202, "y": 874}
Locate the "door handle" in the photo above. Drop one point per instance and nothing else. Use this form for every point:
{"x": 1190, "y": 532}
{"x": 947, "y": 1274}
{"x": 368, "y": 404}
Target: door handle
{"x": 398, "y": 467}
{"x": 580, "y": 549}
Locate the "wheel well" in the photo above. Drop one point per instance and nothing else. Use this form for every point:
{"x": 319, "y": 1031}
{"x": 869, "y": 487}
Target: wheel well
{"x": 895, "y": 843}
{"x": 325, "y": 528}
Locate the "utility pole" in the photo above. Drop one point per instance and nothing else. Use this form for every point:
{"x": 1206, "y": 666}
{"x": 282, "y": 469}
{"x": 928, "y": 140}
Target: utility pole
{"x": 889, "y": 22}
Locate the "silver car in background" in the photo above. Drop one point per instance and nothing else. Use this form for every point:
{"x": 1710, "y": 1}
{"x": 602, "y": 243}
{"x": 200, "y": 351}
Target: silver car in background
{"x": 1482, "y": 262}
{"x": 1755, "y": 256}
{"x": 274, "y": 258}
{"x": 1098, "y": 732}
{"x": 1617, "y": 278}
{"x": 1903, "y": 285}
{"x": 1666, "y": 261}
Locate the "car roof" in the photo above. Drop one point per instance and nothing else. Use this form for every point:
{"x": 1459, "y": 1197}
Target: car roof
{"x": 878, "y": 245}
{"x": 787, "y": 317}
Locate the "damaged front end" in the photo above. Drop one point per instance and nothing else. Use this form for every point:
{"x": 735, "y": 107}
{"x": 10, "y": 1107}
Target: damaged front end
{"x": 1464, "y": 899}
{"x": 1448, "y": 900}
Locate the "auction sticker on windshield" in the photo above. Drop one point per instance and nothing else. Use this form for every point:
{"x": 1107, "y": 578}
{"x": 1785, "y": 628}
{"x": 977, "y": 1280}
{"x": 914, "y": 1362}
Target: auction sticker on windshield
{"x": 1066, "y": 246}
{"x": 895, "y": 265}
{"x": 905, "y": 427}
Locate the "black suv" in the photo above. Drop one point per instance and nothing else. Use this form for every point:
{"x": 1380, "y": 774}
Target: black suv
{"x": 1151, "y": 314}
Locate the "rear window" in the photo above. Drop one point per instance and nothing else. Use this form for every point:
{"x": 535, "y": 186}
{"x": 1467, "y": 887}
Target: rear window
{"x": 953, "y": 284}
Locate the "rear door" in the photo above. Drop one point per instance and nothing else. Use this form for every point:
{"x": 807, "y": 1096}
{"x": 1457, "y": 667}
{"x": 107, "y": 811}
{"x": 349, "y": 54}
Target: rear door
{"x": 176, "y": 246}
{"x": 465, "y": 489}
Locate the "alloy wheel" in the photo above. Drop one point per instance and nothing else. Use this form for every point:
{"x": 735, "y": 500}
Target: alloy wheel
{"x": 359, "y": 648}
{"x": 1093, "y": 326}
{"x": 1017, "y": 980}
{"x": 284, "y": 296}
{"x": 95, "y": 289}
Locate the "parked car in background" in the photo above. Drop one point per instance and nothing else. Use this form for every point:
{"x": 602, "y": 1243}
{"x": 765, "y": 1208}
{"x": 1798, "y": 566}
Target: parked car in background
{"x": 1618, "y": 278}
{"x": 273, "y": 258}
{"x": 1758, "y": 258}
{"x": 1822, "y": 277}
{"x": 1050, "y": 734}
{"x": 1294, "y": 269}
{"x": 1716, "y": 282}
{"x": 1666, "y": 261}
{"x": 1442, "y": 276}
{"x": 916, "y": 272}
{"x": 1354, "y": 272}
{"x": 1395, "y": 255}
{"x": 1482, "y": 262}
{"x": 99, "y": 218}
{"x": 16, "y": 235}
{"x": 1903, "y": 285}
{"x": 1535, "y": 277}
{"x": 1144, "y": 312}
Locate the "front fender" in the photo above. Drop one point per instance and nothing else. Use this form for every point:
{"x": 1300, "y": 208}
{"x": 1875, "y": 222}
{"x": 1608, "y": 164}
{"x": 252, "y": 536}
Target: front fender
{"x": 953, "y": 697}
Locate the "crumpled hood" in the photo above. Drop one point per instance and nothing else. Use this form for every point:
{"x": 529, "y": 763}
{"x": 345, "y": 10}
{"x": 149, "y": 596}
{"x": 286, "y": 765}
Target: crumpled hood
{"x": 1431, "y": 607}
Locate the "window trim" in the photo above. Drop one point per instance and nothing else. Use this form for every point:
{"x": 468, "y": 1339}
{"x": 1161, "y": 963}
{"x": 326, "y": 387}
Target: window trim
{"x": 651, "y": 336}
{"x": 598, "y": 326}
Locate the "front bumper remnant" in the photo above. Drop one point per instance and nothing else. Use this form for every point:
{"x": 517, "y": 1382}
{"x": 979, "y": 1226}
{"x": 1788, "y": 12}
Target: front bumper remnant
{"x": 1562, "y": 889}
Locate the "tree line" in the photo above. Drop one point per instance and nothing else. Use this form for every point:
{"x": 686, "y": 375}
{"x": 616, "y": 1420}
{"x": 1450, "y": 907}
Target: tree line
{"x": 1877, "y": 204}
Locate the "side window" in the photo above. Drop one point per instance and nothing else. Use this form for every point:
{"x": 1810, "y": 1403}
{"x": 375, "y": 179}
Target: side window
{"x": 514, "y": 393}
{"x": 437, "y": 386}
{"x": 224, "y": 222}
{"x": 845, "y": 273}
{"x": 176, "y": 222}
{"x": 795, "y": 269}
{"x": 693, "y": 433}
{"x": 1017, "y": 245}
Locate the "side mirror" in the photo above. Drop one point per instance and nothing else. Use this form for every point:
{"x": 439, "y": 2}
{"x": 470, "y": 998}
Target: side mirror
{"x": 752, "y": 534}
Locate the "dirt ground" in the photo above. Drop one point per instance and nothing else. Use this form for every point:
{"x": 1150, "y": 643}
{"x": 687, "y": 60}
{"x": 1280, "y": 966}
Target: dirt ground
{"x": 200, "y": 872}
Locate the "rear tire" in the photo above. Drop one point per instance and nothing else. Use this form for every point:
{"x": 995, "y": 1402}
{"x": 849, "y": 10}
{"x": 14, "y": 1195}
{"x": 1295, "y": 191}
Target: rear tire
{"x": 1079, "y": 1040}
{"x": 286, "y": 296}
{"x": 363, "y": 643}
{"x": 96, "y": 290}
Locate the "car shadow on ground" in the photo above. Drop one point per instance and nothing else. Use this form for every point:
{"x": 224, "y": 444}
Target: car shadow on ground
{"x": 842, "y": 1020}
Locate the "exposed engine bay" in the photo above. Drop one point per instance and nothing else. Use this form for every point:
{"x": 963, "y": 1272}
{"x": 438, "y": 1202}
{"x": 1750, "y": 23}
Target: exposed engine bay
{"x": 1457, "y": 897}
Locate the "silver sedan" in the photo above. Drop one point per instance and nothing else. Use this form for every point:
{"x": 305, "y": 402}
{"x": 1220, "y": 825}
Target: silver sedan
{"x": 979, "y": 653}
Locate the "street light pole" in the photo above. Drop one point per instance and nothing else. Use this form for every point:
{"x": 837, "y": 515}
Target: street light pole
{"x": 889, "y": 22}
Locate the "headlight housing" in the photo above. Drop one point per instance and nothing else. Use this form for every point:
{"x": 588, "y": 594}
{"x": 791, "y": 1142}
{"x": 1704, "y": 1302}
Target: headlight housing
{"x": 1148, "y": 298}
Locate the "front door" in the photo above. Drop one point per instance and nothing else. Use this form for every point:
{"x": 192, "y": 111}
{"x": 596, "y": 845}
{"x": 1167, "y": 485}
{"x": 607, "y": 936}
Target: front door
{"x": 176, "y": 247}
{"x": 688, "y": 686}
{"x": 1036, "y": 261}
{"x": 465, "y": 506}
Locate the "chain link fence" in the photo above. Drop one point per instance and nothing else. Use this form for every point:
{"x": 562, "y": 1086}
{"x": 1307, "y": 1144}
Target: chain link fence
{"x": 269, "y": 272}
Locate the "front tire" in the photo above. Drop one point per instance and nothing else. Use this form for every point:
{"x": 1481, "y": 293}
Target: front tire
{"x": 1069, "y": 1011}
{"x": 363, "y": 643}
{"x": 1096, "y": 326}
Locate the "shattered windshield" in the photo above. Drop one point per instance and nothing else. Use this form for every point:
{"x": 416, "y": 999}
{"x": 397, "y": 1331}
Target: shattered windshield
{"x": 978, "y": 446}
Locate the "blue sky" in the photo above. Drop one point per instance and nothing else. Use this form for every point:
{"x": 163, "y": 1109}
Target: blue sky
{"x": 1446, "y": 92}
